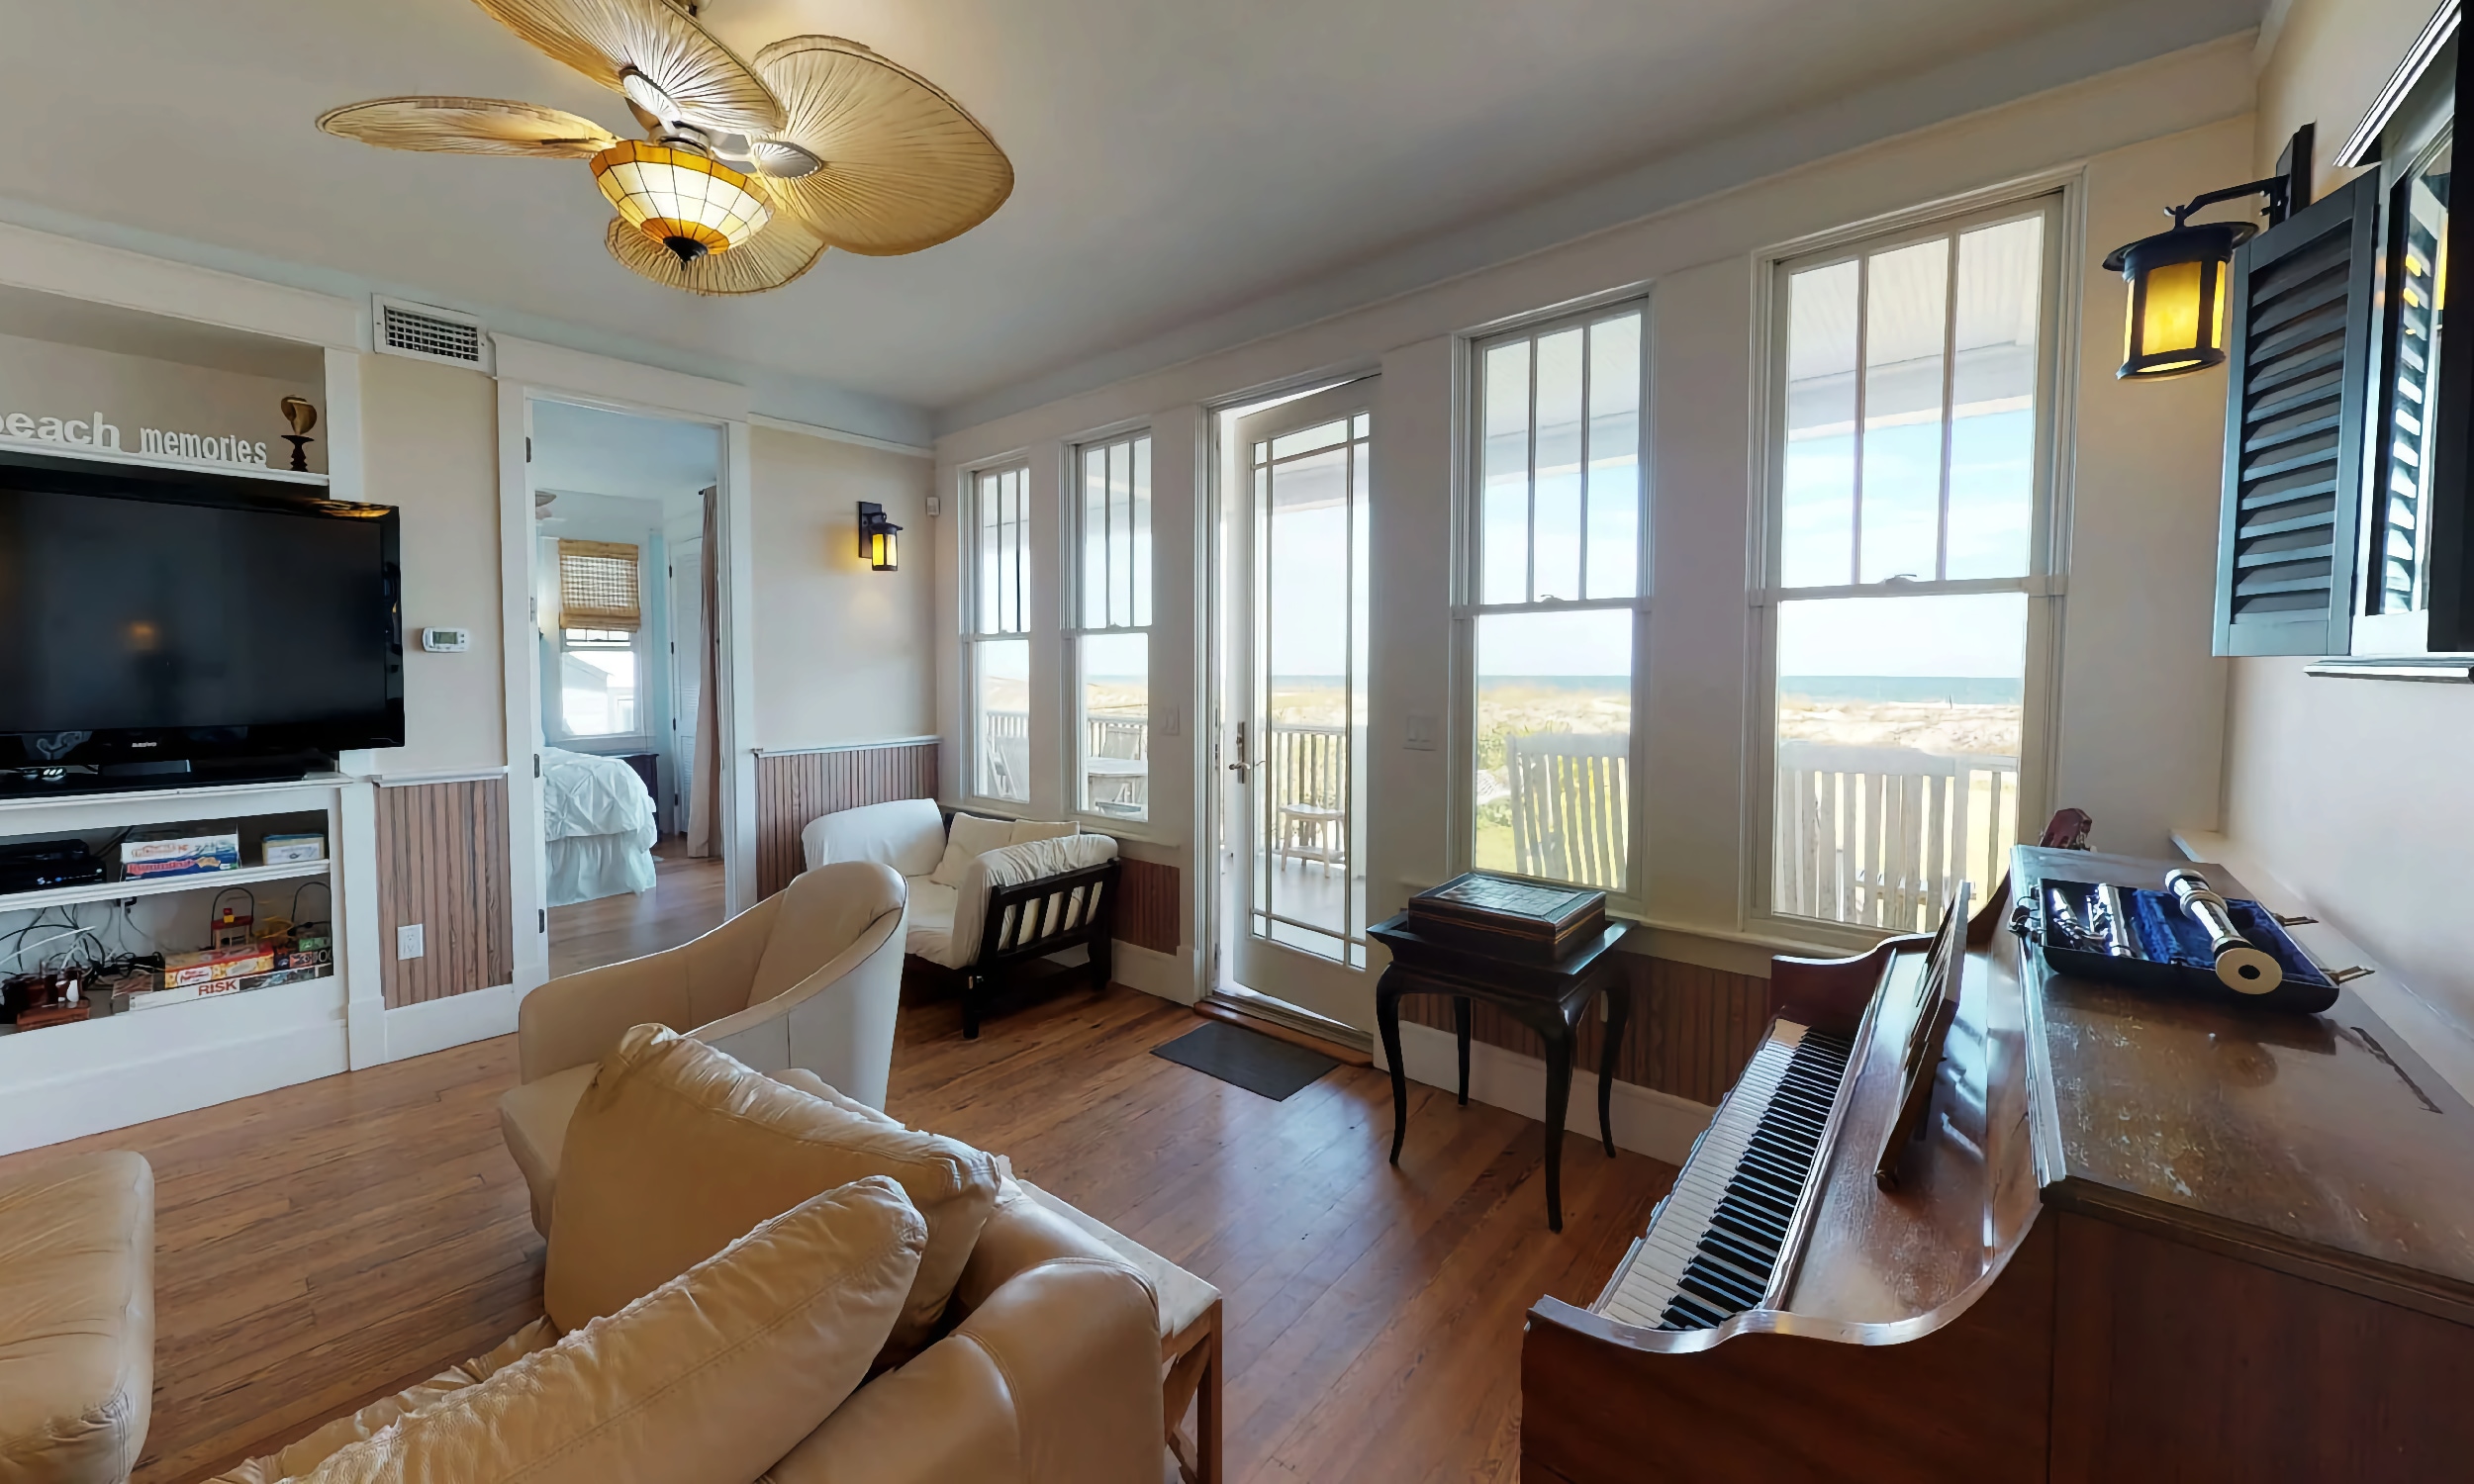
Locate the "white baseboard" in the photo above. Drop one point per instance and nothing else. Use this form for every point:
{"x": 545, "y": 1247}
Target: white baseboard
{"x": 142, "y": 1065}
{"x": 437, "y": 1024}
{"x": 1170, "y": 977}
{"x": 1648, "y": 1122}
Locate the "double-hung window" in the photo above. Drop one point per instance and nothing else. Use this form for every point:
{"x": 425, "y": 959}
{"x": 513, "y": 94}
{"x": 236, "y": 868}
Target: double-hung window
{"x": 1110, "y": 639}
{"x": 601, "y": 618}
{"x": 1908, "y": 541}
{"x": 1559, "y": 598}
{"x": 997, "y": 642}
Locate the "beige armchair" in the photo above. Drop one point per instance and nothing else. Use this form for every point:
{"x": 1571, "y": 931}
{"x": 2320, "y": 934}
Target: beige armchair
{"x": 809, "y": 977}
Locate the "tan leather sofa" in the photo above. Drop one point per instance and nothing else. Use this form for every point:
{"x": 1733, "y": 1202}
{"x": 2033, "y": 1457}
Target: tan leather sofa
{"x": 76, "y": 1319}
{"x": 1047, "y": 1370}
{"x": 810, "y": 978}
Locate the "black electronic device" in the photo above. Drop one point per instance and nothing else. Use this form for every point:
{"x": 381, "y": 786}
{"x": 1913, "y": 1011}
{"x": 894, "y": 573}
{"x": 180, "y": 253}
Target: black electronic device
{"x": 42, "y": 864}
{"x": 168, "y": 626}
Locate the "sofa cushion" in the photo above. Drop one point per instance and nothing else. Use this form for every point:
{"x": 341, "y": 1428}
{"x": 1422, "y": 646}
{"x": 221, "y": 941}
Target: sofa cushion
{"x": 1025, "y": 831}
{"x": 931, "y": 930}
{"x": 972, "y": 838}
{"x": 1017, "y": 865}
{"x": 533, "y": 1118}
{"x": 76, "y": 1317}
{"x": 908, "y": 834}
{"x": 300, "y": 1458}
{"x": 715, "y": 1374}
{"x": 676, "y": 1149}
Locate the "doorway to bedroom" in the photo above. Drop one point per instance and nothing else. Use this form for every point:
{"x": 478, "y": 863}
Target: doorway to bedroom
{"x": 625, "y": 653}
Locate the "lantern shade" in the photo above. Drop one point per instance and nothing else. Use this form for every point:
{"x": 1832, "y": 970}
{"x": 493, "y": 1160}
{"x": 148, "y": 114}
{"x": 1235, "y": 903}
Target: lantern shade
{"x": 877, "y": 544}
{"x": 2174, "y": 322}
{"x": 686, "y": 201}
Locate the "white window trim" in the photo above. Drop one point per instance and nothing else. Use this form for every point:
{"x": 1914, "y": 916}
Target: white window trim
{"x": 971, "y": 638}
{"x": 1069, "y": 563}
{"x": 2046, "y": 583}
{"x": 1468, "y": 577}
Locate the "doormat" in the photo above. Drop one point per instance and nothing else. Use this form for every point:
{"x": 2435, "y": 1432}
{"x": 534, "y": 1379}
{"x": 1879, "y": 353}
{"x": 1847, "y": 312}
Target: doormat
{"x": 1248, "y": 1058}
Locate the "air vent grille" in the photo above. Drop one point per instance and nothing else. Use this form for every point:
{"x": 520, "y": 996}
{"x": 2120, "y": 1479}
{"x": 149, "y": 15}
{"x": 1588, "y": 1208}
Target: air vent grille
{"x": 432, "y": 334}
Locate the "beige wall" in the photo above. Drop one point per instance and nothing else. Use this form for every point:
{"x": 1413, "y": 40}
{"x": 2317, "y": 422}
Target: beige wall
{"x": 430, "y": 446}
{"x": 843, "y": 653}
{"x": 2356, "y": 793}
{"x": 2142, "y": 701}
{"x": 45, "y": 379}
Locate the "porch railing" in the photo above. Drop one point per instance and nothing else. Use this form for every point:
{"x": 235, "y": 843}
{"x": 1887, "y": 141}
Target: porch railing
{"x": 1571, "y": 806}
{"x": 1877, "y": 836}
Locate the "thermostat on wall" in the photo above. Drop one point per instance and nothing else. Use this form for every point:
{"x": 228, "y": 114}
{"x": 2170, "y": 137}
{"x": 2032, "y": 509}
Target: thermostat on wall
{"x": 447, "y": 640}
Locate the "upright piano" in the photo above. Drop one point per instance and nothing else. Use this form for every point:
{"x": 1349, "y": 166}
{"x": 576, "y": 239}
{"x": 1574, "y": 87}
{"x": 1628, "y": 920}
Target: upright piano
{"x": 2133, "y": 1236}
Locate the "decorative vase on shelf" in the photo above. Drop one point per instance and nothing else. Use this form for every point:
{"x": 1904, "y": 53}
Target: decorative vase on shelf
{"x": 302, "y": 417}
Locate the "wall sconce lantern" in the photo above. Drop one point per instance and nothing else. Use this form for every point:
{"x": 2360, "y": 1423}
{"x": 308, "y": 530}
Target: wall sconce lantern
{"x": 2175, "y": 321}
{"x": 877, "y": 535}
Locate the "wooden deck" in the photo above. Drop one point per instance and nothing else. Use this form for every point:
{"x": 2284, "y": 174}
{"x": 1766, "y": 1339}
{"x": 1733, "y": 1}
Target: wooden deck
{"x": 331, "y": 1242}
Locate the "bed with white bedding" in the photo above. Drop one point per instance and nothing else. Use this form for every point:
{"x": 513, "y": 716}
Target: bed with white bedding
{"x": 599, "y": 823}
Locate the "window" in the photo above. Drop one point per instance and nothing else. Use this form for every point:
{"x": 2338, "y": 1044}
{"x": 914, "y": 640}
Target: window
{"x": 1110, "y": 639}
{"x": 600, "y": 613}
{"x": 997, "y": 641}
{"x": 2403, "y": 493}
{"x": 1558, "y": 565}
{"x": 1909, "y": 491}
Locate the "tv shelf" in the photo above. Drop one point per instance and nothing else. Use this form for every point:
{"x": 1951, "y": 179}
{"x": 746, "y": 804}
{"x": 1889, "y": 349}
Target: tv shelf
{"x": 247, "y": 875}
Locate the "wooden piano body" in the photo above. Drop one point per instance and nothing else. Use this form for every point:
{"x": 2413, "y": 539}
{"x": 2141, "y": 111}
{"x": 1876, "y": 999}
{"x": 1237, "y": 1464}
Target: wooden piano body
{"x": 2138, "y": 1238}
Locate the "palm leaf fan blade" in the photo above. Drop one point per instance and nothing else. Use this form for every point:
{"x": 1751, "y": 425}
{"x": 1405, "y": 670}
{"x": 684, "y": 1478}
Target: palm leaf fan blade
{"x": 903, "y": 165}
{"x": 780, "y": 253}
{"x": 604, "y": 39}
{"x": 468, "y": 125}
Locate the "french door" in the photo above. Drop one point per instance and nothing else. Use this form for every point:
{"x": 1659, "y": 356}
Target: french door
{"x": 1293, "y": 710}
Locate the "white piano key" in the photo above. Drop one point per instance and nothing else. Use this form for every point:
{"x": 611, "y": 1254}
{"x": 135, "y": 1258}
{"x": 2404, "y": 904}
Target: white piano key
{"x": 1645, "y": 1284}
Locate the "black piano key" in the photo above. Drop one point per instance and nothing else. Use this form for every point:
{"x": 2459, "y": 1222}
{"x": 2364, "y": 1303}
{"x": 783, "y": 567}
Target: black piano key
{"x": 1760, "y": 1236}
{"x": 1712, "y": 1295}
{"x": 1778, "y": 1171}
{"x": 1757, "y": 1191}
{"x": 1732, "y": 1250}
{"x": 1688, "y": 1312}
{"x": 1733, "y": 1292}
{"x": 1755, "y": 1279}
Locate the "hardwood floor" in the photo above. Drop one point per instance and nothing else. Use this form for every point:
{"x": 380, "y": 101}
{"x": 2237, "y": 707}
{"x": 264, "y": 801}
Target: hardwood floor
{"x": 331, "y": 1242}
{"x": 685, "y": 902}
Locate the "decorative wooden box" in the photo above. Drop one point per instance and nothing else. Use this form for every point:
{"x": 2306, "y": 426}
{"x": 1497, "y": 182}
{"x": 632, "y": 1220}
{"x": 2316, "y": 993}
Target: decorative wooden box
{"x": 1510, "y": 919}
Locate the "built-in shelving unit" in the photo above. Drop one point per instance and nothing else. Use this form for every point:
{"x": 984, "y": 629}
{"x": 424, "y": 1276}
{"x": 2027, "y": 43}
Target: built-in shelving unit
{"x": 247, "y": 875}
{"x": 60, "y": 1081}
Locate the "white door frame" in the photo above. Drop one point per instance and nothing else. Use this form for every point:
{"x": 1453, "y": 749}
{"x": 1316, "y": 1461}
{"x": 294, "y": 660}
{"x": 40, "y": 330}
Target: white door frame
{"x": 528, "y": 372}
{"x": 1229, "y": 922}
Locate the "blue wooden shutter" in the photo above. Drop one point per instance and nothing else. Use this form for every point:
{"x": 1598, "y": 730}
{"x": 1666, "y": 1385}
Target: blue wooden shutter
{"x": 2299, "y": 348}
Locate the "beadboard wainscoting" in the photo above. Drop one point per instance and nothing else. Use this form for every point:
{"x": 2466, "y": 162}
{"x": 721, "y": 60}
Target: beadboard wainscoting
{"x": 794, "y": 788}
{"x": 443, "y": 863}
{"x": 1146, "y": 908}
{"x": 1692, "y": 1029}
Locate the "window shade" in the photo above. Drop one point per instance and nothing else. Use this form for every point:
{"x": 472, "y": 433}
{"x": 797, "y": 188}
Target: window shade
{"x": 2299, "y": 358}
{"x": 597, "y": 586}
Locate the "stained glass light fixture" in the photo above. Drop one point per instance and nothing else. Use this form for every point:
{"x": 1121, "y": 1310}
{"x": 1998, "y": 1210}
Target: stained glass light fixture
{"x": 679, "y": 197}
{"x": 747, "y": 172}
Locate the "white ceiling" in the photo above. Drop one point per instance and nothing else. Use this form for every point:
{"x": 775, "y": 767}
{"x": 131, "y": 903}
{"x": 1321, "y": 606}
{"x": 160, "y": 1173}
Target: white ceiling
{"x": 1173, "y": 161}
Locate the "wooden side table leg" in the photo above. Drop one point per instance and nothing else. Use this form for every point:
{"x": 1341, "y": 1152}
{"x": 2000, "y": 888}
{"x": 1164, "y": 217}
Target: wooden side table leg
{"x": 1610, "y": 1056}
{"x": 1558, "y": 1100}
{"x": 1459, "y": 1027}
{"x": 1387, "y": 1021}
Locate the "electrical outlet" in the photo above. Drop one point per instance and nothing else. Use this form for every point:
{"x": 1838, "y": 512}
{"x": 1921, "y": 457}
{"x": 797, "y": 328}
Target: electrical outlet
{"x": 408, "y": 942}
{"x": 936, "y": 507}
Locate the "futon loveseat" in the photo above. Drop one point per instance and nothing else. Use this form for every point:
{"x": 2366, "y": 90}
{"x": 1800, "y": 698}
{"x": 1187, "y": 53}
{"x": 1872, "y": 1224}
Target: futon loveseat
{"x": 987, "y": 897}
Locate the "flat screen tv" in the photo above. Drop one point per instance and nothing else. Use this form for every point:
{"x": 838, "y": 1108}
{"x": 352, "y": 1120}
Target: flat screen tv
{"x": 152, "y": 617}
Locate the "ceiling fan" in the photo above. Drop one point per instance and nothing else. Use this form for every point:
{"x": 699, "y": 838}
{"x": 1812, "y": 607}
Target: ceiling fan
{"x": 747, "y": 173}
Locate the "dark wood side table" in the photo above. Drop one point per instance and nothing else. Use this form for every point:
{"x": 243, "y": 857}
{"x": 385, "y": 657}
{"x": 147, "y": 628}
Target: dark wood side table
{"x": 1549, "y": 998}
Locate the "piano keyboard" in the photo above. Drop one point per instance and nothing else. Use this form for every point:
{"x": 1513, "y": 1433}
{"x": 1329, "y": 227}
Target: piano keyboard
{"x": 1714, "y": 1243}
